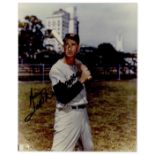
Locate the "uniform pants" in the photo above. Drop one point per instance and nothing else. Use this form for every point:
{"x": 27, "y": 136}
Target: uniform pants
{"x": 70, "y": 127}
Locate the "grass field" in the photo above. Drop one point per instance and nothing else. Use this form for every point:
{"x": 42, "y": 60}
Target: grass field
{"x": 112, "y": 112}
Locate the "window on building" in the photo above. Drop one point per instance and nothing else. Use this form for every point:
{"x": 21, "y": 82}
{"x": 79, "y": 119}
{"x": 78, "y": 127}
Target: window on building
{"x": 54, "y": 23}
{"x": 58, "y": 22}
{"x": 49, "y": 23}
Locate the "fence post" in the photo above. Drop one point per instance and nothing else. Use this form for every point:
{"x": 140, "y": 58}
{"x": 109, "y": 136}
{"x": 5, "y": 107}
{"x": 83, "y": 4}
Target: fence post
{"x": 118, "y": 72}
{"x": 43, "y": 72}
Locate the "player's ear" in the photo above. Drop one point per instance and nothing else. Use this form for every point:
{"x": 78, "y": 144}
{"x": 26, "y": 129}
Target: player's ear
{"x": 78, "y": 48}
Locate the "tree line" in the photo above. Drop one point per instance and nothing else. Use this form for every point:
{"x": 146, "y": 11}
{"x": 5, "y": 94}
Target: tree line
{"x": 31, "y": 49}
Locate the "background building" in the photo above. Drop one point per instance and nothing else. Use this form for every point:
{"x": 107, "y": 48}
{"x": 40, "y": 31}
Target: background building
{"x": 73, "y": 22}
{"x": 119, "y": 42}
{"x": 62, "y": 21}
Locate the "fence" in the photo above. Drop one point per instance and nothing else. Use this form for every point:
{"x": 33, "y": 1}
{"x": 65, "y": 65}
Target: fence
{"x": 33, "y": 72}
{"x": 40, "y": 72}
{"x": 115, "y": 72}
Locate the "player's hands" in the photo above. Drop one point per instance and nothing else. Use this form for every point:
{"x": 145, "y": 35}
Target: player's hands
{"x": 85, "y": 74}
{"x": 83, "y": 71}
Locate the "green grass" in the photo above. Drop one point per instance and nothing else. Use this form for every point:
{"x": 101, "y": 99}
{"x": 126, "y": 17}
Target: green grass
{"x": 38, "y": 131}
{"x": 112, "y": 112}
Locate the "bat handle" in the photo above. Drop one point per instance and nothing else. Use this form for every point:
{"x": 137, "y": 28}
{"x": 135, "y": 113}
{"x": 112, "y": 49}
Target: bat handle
{"x": 90, "y": 77}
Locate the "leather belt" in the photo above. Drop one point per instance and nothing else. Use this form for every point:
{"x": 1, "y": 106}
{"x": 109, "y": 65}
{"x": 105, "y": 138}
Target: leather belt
{"x": 79, "y": 106}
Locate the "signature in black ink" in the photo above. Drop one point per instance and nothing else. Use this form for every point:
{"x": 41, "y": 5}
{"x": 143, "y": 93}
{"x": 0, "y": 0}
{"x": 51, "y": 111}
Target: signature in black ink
{"x": 37, "y": 99}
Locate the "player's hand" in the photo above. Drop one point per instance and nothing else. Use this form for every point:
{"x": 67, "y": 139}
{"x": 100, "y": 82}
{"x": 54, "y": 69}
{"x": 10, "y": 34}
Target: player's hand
{"x": 85, "y": 74}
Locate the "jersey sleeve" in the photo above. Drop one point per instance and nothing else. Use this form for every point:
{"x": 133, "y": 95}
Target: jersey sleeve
{"x": 55, "y": 76}
{"x": 64, "y": 94}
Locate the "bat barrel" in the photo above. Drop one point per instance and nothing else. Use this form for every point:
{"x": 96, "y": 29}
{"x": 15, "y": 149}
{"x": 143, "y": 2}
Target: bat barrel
{"x": 57, "y": 37}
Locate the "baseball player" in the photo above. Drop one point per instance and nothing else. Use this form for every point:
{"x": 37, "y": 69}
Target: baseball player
{"x": 68, "y": 76}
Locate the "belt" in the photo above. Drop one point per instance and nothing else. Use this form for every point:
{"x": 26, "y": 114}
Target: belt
{"x": 79, "y": 106}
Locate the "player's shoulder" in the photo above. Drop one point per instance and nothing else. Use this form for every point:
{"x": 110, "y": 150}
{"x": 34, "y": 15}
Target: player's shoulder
{"x": 56, "y": 67}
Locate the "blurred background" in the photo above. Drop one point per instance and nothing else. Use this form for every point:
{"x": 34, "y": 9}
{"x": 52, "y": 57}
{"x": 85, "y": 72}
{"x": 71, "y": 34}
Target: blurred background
{"x": 108, "y": 34}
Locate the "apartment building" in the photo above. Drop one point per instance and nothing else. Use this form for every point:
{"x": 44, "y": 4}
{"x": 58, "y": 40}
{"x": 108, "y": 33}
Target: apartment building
{"x": 63, "y": 21}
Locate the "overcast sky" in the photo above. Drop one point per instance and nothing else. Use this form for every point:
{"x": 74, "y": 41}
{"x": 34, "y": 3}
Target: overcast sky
{"x": 99, "y": 22}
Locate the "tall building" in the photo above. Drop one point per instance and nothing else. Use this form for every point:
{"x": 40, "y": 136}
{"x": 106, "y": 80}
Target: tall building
{"x": 63, "y": 21}
{"x": 73, "y": 22}
{"x": 119, "y": 42}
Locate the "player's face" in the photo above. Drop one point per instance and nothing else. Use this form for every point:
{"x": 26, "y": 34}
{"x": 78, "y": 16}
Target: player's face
{"x": 70, "y": 48}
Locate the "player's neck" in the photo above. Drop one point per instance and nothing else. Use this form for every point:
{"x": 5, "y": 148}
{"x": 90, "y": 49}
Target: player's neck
{"x": 69, "y": 61}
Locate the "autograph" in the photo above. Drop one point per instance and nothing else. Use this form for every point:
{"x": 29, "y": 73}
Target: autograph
{"x": 37, "y": 99}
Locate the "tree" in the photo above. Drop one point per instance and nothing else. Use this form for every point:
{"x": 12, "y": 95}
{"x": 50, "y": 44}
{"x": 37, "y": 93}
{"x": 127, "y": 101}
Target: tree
{"x": 30, "y": 37}
{"x": 88, "y": 56}
{"x": 108, "y": 55}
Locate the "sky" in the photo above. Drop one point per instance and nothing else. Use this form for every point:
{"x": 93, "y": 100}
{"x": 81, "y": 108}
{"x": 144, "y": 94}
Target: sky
{"x": 99, "y": 22}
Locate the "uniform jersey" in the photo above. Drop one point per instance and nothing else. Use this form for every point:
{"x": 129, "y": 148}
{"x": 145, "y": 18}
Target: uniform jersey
{"x": 67, "y": 87}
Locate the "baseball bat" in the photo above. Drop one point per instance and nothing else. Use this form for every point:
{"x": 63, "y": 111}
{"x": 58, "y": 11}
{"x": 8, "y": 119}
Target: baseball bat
{"x": 59, "y": 39}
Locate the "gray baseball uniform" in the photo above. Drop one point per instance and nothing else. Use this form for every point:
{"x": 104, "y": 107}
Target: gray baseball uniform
{"x": 71, "y": 119}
